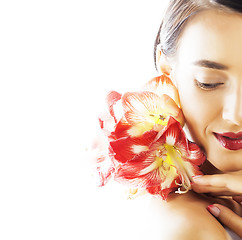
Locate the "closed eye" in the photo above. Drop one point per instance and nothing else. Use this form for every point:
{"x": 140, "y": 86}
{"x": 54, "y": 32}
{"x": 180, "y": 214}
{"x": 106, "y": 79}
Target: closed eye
{"x": 207, "y": 86}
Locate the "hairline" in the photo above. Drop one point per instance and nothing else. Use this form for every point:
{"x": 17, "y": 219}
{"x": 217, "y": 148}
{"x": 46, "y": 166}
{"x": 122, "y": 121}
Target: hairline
{"x": 182, "y": 26}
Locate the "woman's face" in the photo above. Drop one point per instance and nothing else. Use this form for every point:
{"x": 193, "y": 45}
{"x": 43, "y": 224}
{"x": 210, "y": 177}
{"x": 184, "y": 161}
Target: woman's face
{"x": 208, "y": 74}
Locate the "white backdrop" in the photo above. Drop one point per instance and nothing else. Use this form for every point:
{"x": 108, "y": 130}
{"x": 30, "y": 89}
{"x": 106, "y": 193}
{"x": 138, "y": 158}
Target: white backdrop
{"x": 58, "y": 60}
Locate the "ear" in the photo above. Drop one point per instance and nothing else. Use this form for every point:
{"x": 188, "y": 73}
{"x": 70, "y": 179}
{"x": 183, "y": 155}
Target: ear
{"x": 163, "y": 65}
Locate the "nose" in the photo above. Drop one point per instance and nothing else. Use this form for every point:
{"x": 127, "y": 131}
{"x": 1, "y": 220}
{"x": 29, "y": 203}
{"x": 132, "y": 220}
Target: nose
{"x": 232, "y": 110}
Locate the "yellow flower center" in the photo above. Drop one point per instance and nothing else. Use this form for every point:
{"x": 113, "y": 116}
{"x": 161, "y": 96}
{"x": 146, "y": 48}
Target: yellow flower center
{"x": 174, "y": 158}
{"x": 160, "y": 119}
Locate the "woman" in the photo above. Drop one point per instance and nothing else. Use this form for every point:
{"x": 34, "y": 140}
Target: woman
{"x": 199, "y": 45}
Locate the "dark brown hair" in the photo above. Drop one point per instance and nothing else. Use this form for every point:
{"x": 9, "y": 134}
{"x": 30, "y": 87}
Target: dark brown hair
{"x": 176, "y": 15}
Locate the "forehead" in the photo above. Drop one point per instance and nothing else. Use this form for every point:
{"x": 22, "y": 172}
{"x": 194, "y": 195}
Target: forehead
{"x": 214, "y": 36}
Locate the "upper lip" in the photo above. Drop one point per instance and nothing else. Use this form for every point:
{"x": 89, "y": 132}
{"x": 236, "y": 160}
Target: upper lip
{"x": 231, "y": 134}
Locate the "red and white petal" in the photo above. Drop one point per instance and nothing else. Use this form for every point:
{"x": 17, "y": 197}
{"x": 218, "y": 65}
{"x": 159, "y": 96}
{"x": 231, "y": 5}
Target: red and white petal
{"x": 163, "y": 85}
{"x": 106, "y": 123}
{"x": 105, "y": 164}
{"x": 124, "y": 149}
{"x": 121, "y": 129}
{"x": 139, "y": 106}
{"x": 173, "y": 187}
{"x": 124, "y": 129}
{"x": 192, "y": 169}
{"x": 105, "y": 168}
{"x": 174, "y": 130}
{"x": 172, "y": 134}
{"x": 196, "y": 155}
{"x": 140, "y": 128}
{"x": 112, "y": 98}
{"x": 193, "y": 153}
{"x": 133, "y": 171}
{"x": 171, "y": 109}
{"x": 163, "y": 192}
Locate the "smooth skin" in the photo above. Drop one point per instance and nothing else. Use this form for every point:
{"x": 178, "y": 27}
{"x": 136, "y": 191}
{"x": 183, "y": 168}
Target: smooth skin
{"x": 208, "y": 74}
{"x": 228, "y": 184}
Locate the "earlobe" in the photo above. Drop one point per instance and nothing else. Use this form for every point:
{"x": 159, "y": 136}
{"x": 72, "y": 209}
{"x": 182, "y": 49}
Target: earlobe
{"x": 162, "y": 63}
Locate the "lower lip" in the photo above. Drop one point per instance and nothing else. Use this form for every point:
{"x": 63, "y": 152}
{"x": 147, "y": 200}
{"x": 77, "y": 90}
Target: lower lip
{"x": 229, "y": 143}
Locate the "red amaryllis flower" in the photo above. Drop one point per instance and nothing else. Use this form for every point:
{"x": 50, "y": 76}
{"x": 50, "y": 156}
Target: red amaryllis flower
{"x": 149, "y": 109}
{"x": 146, "y": 146}
{"x": 142, "y": 111}
{"x": 160, "y": 162}
{"x": 145, "y": 111}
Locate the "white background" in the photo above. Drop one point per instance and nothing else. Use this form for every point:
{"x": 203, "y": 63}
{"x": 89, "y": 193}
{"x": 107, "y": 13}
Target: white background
{"x": 57, "y": 61}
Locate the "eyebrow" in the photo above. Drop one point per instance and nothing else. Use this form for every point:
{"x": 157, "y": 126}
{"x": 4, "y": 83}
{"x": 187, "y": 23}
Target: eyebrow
{"x": 210, "y": 64}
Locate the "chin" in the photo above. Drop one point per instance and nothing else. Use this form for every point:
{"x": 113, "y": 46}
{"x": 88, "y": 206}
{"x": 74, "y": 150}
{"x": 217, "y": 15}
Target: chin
{"x": 225, "y": 160}
{"x": 222, "y": 158}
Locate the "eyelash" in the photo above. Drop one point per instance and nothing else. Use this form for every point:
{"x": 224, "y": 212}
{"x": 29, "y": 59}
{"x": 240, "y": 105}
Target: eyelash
{"x": 207, "y": 86}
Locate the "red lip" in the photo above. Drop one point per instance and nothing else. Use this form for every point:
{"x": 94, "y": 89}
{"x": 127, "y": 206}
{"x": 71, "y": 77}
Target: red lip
{"x": 232, "y": 135}
{"x": 230, "y": 140}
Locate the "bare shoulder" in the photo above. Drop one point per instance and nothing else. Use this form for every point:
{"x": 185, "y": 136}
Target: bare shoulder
{"x": 185, "y": 217}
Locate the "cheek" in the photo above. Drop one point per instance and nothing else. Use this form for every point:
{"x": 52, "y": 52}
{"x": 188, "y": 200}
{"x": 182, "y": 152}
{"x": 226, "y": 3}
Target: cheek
{"x": 198, "y": 109}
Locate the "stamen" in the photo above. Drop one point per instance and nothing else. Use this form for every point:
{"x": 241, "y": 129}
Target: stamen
{"x": 182, "y": 192}
{"x": 162, "y": 117}
{"x": 177, "y": 161}
{"x": 178, "y": 184}
{"x": 185, "y": 186}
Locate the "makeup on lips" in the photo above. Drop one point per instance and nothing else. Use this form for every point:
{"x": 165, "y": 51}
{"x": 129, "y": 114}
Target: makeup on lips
{"x": 230, "y": 140}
